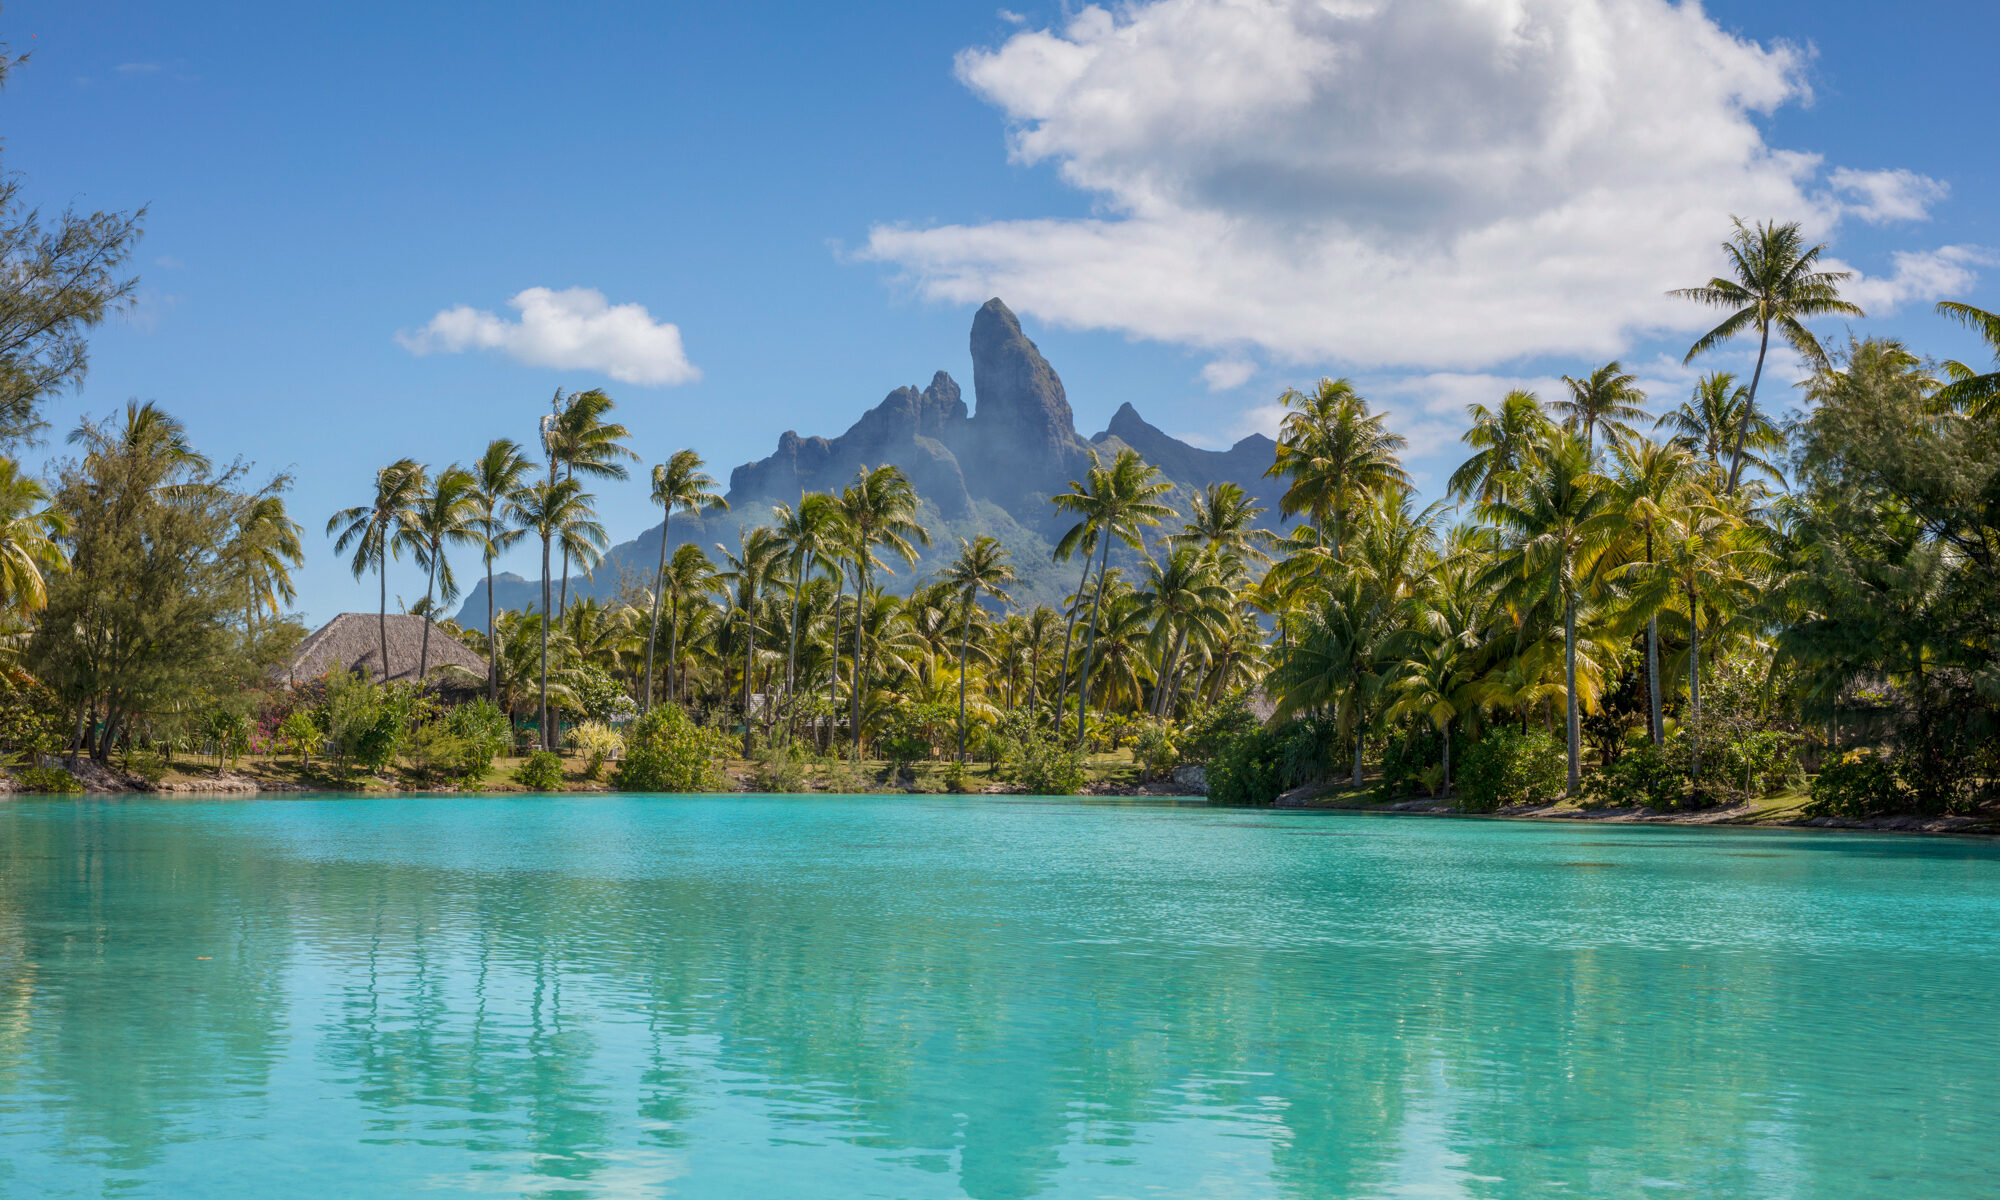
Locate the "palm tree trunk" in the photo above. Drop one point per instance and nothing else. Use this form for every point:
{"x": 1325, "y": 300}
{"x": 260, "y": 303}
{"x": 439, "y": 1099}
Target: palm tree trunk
{"x": 792, "y": 653}
{"x": 543, "y": 717}
{"x": 673, "y": 647}
{"x": 1447, "y": 757}
{"x": 854, "y": 692}
{"x": 964, "y": 645}
{"x": 1694, "y": 683}
{"x": 1573, "y": 728}
{"x": 833, "y": 666}
{"x": 382, "y": 617}
{"x": 1090, "y": 641}
{"x": 1069, "y": 631}
{"x": 564, "y": 605}
{"x": 749, "y": 663}
{"x": 653, "y": 630}
{"x": 1653, "y": 678}
{"x": 492, "y": 640}
{"x": 1034, "y": 674}
{"x": 424, "y": 654}
{"x": 1749, "y": 411}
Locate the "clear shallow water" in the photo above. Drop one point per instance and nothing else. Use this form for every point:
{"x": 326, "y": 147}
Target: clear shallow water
{"x": 903, "y": 997}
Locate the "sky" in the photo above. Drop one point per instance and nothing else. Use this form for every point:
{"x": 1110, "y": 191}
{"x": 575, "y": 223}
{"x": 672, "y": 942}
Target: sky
{"x": 388, "y": 230}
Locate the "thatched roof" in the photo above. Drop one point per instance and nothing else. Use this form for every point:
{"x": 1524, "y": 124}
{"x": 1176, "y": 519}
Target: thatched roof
{"x": 353, "y": 642}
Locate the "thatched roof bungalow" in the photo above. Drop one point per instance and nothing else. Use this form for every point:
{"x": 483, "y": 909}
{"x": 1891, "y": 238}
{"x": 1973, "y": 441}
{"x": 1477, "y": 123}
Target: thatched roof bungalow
{"x": 353, "y": 642}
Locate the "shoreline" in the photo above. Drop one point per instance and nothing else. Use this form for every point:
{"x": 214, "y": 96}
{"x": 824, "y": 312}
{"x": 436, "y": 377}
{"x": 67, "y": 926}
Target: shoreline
{"x": 1737, "y": 816}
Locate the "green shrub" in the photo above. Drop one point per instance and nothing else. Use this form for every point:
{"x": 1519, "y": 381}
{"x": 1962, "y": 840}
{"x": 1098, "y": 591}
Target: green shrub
{"x": 598, "y": 743}
{"x": 780, "y": 769}
{"x": 543, "y": 772}
{"x": 1045, "y": 765}
{"x": 1153, "y": 748}
{"x": 955, "y": 779}
{"x": 147, "y": 764}
{"x": 1762, "y": 762}
{"x": 228, "y": 734}
{"x": 1249, "y": 770}
{"x": 30, "y": 721}
{"x": 665, "y": 751}
{"x": 1214, "y": 727}
{"x": 49, "y": 781}
{"x": 1858, "y": 785}
{"x": 301, "y": 735}
{"x": 1509, "y": 767}
{"x": 1645, "y": 774}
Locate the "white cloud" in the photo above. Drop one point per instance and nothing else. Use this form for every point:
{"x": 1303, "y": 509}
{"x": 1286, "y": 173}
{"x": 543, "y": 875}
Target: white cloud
{"x": 1919, "y": 275}
{"x": 573, "y": 329}
{"x": 1886, "y": 196}
{"x": 1429, "y": 183}
{"x": 1227, "y": 374}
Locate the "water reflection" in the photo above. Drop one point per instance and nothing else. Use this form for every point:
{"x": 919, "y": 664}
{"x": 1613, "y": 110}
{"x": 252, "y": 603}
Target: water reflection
{"x": 714, "y": 998}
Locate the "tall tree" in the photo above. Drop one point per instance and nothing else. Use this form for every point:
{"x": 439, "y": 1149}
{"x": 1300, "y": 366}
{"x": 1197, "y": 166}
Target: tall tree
{"x": 445, "y": 514}
{"x": 1608, "y": 398}
{"x": 1708, "y": 424}
{"x": 1650, "y": 481}
{"x": 1774, "y": 283}
{"x": 1502, "y": 445}
{"x": 370, "y": 529}
{"x": 879, "y": 509}
{"x": 1122, "y": 501}
{"x": 690, "y": 573}
{"x": 981, "y": 566}
{"x": 759, "y": 557}
{"x": 811, "y": 535}
{"x": 557, "y": 512}
{"x": 1332, "y": 451}
{"x": 579, "y": 441}
{"x": 679, "y": 483}
{"x": 498, "y": 477}
{"x": 29, "y": 551}
{"x": 1977, "y": 392}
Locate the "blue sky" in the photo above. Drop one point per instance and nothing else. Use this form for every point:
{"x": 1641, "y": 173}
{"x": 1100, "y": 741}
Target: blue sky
{"x": 816, "y": 196}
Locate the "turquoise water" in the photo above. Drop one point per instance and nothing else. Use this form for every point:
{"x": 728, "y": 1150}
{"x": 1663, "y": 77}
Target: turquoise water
{"x": 909, "y": 997}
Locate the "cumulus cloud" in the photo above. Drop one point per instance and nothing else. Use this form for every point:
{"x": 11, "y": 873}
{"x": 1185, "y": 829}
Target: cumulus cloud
{"x": 1430, "y": 183}
{"x": 573, "y": 329}
{"x": 1884, "y": 196}
{"x": 1227, "y": 374}
{"x": 1919, "y": 275}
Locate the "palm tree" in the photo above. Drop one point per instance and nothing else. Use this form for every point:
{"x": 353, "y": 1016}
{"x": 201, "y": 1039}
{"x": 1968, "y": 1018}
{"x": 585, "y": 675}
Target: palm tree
{"x": 1776, "y": 283}
{"x": 1039, "y": 631}
{"x": 1607, "y": 399}
{"x": 1973, "y": 391}
{"x": 446, "y": 513}
{"x": 981, "y": 566}
{"x": 811, "y": 535}
{"x": 689, "y": 574}
{"x": 878, "y": 509}
{"x": 578, "y": 440}
{"x": 1558, "y": 522}
{"x": 1709, "y": 421}
{"x": 679, "y": 483}
{"x": 1650, "y": 480}
{"x": 269, "y": 541}
{"x": 760, "y": 555}
{"x": 1503, "y": 443}
{"x": 1332, "y": 451}
{"x": 1121, "y": 502}
{"x": 1182, "y": 597}
{"x": 498, "y": 477}
{"x": 558, "y": 511}
{"x": 1221, "y": 522}
{"x": 1081, "y": 536}
{"x": 29, "y": 552}
{"x": 1436, "y": 686}
{"x": 369, "y": 529}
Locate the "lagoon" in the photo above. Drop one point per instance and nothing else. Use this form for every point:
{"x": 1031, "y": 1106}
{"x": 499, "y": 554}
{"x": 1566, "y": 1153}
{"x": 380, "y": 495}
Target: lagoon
{"x": 894, "y": 996}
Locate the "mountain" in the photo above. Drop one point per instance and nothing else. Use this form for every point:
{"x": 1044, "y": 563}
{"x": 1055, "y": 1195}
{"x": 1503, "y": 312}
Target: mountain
{"x": 990, "y": 470}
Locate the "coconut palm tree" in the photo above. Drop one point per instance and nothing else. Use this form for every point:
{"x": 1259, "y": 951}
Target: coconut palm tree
{"x": 679, "y": 483}
{"x": 558, "y": 512}
{"x": 370, "y": 529}
{"x": 1558, "y": 525}
{"x": 29, "y": 551}
{"x": 1708, "y": 421}
{"x": 1972, "y": 391}
{"x": 689, "y": 575}
{"x": 811, "y": 535}
{"x": 1608, "y": 399}
{"x": 1121, "y": 502}
{"x": 1221, "y": 522}
{"x": 445, "y": 514}
{"x": 268, "y": 539}
{"x": 1502, "y": 442}
{"x": 981, "y": 566}
{"x": 1776, "y": 284}
{"x": 1650, "y": 481}
{"x": 1333, "y": 451}
{"x": 498, "y": 476}
{"x": 1181, "y": 598}
{"x": 879, "y": 509}
{"x": 579, "y": 441}
{"x": 759, "y": 557}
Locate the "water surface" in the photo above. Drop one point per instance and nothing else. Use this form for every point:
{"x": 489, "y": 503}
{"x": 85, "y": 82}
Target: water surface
{"x": 910, "y": 997}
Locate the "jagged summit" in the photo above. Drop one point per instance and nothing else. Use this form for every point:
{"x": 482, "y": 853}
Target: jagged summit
{"x": 988, "y": 470}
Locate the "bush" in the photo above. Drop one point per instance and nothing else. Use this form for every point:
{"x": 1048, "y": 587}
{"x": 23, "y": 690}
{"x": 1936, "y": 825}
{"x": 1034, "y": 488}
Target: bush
{"x": 30, "y": 723}
{"x": 1153, "y": 748}
{"x": 780, "y": 769}
{"x": 148, "y": 765}
{"x": 228, "y": 733}
{"x": 1761, "y": 762}
{"x": 543, "y": 772}
{"x": 1214, "y": 727}
{"x": 665, "y": 751}
{"x": 1249, "y": 770}
{"x": 599, "y": 696}
{"x": 300, "y": 735}
{"x": 955, "y": 777}
{"x": 49, "y": 781}
{"x": 1858, "y": 785}
{"x": 1653, "y": 776}
{"x": 1509, "y": 767}
{"x": 598, "y": 743}
{"x": 1045, "y": 765}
